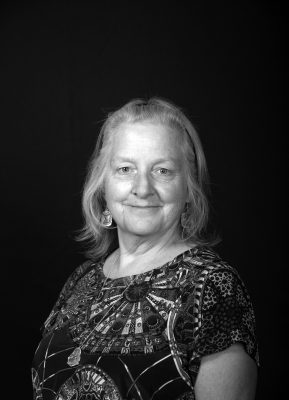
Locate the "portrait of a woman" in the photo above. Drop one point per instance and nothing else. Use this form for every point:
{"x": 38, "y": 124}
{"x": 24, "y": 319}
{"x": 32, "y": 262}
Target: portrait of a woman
{"x": 155, "y": 312}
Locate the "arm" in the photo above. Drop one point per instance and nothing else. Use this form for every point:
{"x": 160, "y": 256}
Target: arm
{"x": 230, "y": 374}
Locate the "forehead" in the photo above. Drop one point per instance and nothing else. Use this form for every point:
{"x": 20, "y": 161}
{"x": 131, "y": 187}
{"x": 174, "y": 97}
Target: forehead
{"x": 146, "y": 137}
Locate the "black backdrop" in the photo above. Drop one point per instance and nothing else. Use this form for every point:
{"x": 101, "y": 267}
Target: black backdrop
{"x": 63, "y": 67}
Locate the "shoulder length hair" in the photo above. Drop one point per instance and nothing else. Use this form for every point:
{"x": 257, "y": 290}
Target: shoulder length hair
{"x": 101, "y": 239}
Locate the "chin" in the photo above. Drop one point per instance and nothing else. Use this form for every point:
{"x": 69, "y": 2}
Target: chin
{"x": 146, "y": 229}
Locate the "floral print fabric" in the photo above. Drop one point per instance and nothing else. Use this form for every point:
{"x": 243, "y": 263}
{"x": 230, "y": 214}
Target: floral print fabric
{"x": 142, "y": 337}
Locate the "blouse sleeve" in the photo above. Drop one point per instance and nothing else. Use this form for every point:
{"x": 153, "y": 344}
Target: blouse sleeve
{"x": 224, "y": 315}
{"x": 59, "y": 314}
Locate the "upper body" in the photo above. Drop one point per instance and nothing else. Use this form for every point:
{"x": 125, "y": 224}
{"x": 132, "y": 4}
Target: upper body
{"x": 162, "y": 316}
{"x": 186, "y": 328}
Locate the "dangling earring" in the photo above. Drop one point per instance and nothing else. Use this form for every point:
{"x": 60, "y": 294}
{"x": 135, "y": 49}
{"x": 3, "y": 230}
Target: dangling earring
{"x": 184, "y": 222}
{"x": 184, "y": 217}
{"x": 106, "y": 218}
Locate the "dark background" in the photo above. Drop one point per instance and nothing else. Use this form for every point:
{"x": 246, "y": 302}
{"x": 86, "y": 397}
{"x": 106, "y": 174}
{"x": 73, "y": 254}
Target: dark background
{"x": 63, "y": 67}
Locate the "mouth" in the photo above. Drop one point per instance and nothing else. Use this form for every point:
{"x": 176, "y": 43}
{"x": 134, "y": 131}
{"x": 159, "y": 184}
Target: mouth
{"x": 137, "y": 206}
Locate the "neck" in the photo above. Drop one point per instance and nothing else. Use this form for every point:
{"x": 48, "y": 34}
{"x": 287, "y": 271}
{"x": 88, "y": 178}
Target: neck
{"x": 136, "y": 253}
{"x": 139, "y": 245}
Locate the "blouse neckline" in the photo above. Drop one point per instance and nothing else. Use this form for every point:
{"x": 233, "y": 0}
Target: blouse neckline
{"x": 192, "y": 251}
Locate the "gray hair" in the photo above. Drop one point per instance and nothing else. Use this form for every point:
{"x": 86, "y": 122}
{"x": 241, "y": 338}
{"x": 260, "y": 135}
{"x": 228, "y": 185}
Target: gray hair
{"x": 156, "y": 110}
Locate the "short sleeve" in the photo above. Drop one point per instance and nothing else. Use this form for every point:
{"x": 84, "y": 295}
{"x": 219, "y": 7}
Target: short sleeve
{"x": 224, "y": 316}
{"x": 60, "y": 315}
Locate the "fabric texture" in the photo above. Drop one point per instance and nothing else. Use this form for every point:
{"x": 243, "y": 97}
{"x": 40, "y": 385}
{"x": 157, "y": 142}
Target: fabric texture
{"x": 142, "y": 337}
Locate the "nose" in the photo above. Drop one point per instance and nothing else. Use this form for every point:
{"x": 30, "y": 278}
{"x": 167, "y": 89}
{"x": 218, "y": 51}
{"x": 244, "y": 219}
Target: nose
{"x": 142, "y": 186}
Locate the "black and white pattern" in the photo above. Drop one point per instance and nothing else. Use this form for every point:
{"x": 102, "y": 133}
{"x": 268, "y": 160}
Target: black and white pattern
{"x": 144, "y": 336}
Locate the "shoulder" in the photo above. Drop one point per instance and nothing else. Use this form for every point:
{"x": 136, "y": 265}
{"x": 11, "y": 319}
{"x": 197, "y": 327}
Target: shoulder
{"x": 84, "y": 276}
{"x": 206, "y": 265}
{"x": 219, "y": 304}
{"x": 205, "y": 258}
{"x": 208, "y": 279}
{"x": 79, "y": 272}
{"x": 216, "y": 284}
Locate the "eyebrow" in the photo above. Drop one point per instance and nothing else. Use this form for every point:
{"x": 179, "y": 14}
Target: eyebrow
{"x": 157, "y": 161}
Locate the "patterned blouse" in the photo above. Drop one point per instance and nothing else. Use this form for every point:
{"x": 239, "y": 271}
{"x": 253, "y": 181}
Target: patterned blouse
{"x": 142, "y": 337}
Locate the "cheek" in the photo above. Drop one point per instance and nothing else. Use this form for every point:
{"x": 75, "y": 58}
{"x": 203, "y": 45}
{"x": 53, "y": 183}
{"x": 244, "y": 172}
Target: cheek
{"x": 176, "y": 193}
{"x": 116, "y": 191}
{"x": 183, "y": 191}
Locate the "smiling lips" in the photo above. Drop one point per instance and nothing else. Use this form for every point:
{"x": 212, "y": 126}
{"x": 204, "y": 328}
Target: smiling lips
{"x": 139, "y": 206}
{"x": 143, "y": 210}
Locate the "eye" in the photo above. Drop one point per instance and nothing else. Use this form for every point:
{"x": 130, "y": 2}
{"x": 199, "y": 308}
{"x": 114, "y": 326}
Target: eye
{"x": 124, "y": 170}
{"x": 163, "y": 171}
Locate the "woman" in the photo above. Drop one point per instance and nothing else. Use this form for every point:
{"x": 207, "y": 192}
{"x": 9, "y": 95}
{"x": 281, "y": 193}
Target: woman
{"x": 155, "y": 313}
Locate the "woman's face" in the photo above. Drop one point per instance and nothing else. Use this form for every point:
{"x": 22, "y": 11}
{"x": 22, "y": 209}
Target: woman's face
{"x": 145, "y": 185}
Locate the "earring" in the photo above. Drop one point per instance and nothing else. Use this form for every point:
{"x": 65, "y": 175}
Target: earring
{"x": 184, "y": 217}
{"x": 106, "y": 218}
